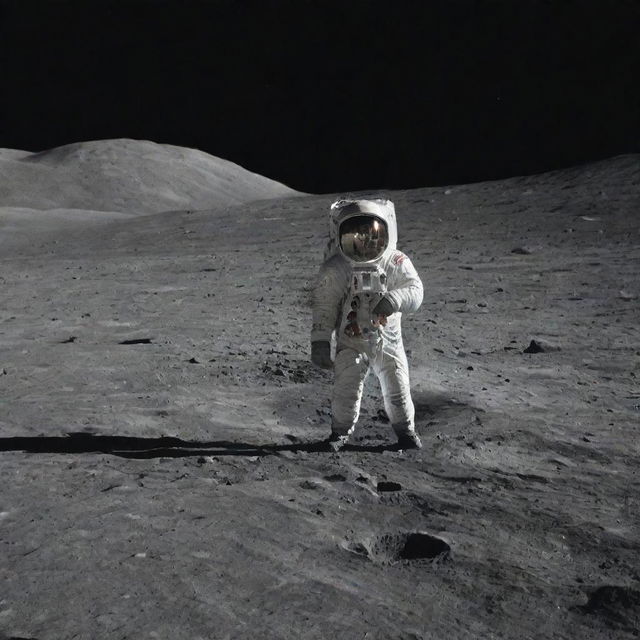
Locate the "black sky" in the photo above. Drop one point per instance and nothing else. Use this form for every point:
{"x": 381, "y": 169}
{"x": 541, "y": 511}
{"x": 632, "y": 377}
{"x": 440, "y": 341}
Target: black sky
{"x": 329, "y": 96}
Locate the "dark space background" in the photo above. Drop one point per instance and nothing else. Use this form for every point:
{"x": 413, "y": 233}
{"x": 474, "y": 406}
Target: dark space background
{"x": 327, "y": 96}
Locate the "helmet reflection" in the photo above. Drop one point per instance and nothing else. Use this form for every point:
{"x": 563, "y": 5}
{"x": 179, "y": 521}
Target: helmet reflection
{"x": 363, "y": 238}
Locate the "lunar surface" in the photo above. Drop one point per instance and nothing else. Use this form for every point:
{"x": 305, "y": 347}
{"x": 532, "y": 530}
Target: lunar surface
{"x": 159, "y": 415}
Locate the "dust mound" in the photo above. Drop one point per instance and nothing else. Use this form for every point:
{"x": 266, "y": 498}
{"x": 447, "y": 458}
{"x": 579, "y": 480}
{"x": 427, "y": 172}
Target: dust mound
{"x": 122, "y": 175}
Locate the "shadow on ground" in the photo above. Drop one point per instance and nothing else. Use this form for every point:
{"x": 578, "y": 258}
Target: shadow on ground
{"x": 431, "y": 405}
{"x": 163, "y": 447}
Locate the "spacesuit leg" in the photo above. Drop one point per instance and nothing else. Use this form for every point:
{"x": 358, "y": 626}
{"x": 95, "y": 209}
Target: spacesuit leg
{"x": 350, "y": 370}
{"x": 392, "y": 370}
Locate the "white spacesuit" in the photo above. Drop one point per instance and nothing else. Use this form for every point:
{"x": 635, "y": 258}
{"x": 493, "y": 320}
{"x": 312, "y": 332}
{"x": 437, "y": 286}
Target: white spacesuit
{"x": 362, "y": 290}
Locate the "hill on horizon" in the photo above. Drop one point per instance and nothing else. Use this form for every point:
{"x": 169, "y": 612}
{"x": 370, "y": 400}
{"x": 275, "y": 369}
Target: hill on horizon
{"x": 132, "y": 176}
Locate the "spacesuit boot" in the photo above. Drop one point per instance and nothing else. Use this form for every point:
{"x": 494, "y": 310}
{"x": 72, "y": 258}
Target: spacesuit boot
{"x": 409, "y": 440}
{"x": 335, "y": 442}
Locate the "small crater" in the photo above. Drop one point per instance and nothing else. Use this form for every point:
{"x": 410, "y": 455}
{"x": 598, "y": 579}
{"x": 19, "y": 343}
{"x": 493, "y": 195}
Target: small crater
{"x": 423, "y": 545}
{"x": 335, "y": 477}
{"x": 390, "y": 548}
{"x": 388, "y": 486}
{"x": 137, "y": 341}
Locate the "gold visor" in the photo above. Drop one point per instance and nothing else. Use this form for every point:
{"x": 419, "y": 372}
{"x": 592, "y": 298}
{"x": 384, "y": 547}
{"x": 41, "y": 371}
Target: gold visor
{"x": 363, "y": 238}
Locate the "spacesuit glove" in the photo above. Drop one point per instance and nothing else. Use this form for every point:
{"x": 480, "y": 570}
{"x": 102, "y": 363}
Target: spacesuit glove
{"x": 321, "y": 354}
{"x": 383, "y": 308}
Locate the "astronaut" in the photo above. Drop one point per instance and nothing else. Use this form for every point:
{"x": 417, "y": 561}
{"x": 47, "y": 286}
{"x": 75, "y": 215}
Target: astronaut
{"x": 364, "y": 286}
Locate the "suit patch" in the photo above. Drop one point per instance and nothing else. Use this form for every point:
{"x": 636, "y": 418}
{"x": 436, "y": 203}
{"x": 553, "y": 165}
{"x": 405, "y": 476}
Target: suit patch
{"x": 399, "y": 258}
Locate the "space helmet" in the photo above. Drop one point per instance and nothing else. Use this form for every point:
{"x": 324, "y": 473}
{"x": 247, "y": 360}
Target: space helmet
{"x": 364, "y": 230}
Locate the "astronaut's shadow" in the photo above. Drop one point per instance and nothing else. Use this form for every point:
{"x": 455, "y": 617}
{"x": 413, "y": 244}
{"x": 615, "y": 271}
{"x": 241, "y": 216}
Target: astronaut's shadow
{"x": 428, "y": 406}
{"x": 163, "y": 447}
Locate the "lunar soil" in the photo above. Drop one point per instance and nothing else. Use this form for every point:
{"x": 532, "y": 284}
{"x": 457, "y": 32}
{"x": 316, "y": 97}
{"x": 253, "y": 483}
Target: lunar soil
{"x": 159, "y": 422}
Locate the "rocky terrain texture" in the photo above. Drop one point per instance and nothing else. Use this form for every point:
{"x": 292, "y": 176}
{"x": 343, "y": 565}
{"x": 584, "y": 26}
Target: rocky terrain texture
{"x": 159, "y": 416}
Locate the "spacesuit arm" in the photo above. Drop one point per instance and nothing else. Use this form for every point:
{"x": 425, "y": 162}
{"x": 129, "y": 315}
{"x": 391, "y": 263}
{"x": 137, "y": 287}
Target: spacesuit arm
{"x": 405, "y": 287}
{"x": 327, "y": 298}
